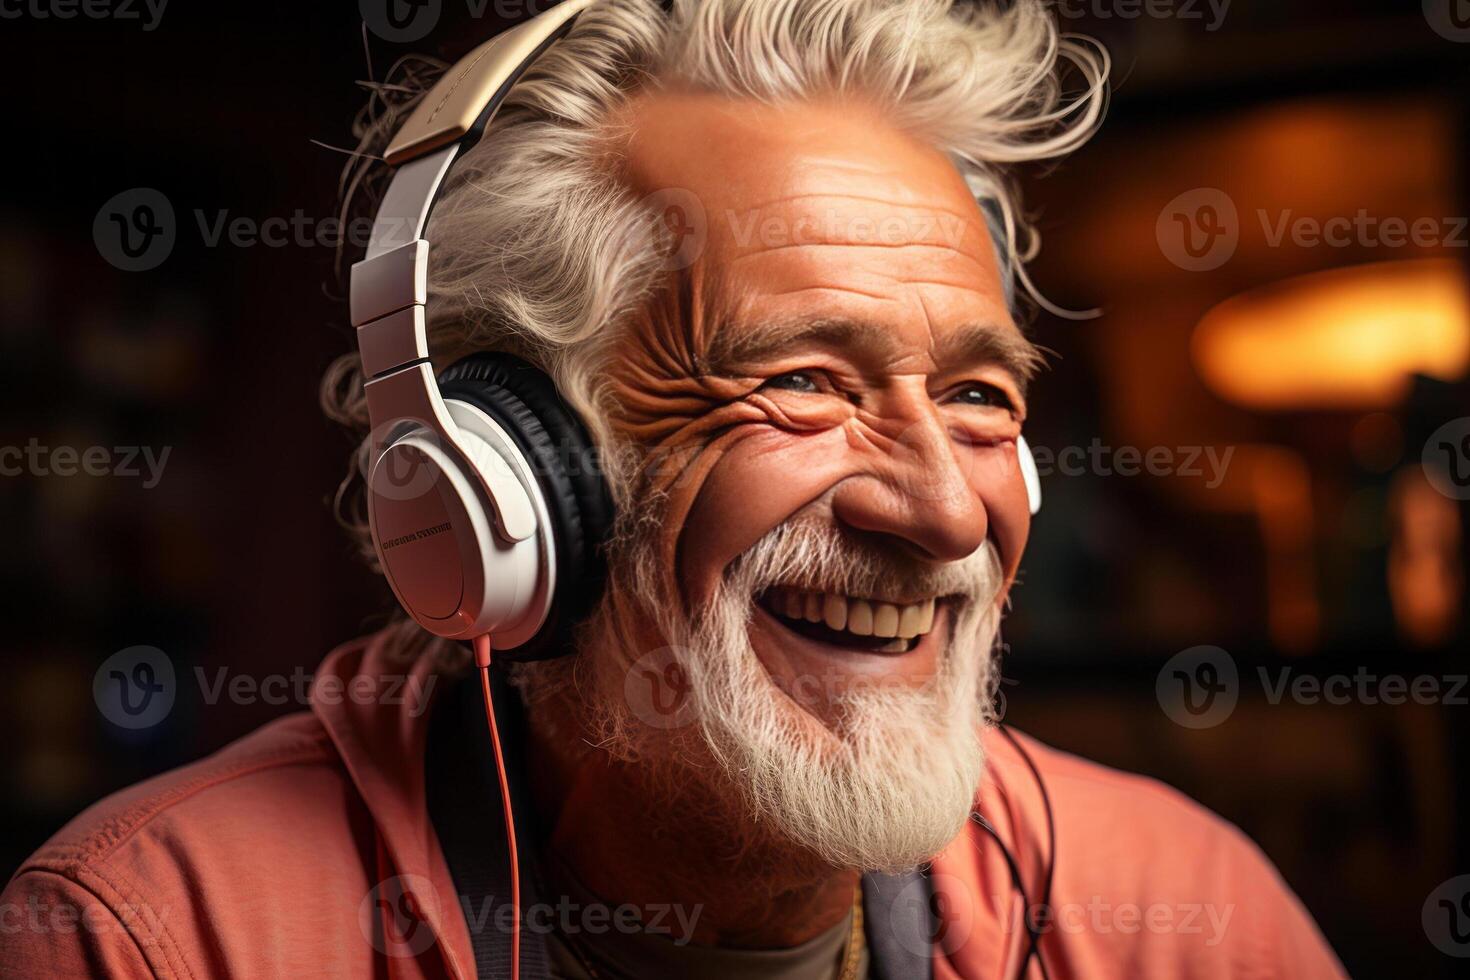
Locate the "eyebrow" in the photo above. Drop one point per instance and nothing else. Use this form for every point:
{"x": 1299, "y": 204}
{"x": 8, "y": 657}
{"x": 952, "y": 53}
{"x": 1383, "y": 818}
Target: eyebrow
{"x": 992, "y": 344}
{"x": 975, "y": 342}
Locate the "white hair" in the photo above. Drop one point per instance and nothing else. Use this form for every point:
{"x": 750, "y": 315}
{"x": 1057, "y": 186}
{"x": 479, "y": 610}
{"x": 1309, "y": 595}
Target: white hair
{"x": 539, "y": 249}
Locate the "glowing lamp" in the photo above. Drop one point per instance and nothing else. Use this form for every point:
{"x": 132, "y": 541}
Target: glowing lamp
{"x": 1348, "y": 338}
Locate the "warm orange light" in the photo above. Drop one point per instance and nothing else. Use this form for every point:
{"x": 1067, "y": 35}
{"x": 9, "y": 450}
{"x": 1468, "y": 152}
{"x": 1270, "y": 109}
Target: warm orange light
{"x": 1347, "y": 338}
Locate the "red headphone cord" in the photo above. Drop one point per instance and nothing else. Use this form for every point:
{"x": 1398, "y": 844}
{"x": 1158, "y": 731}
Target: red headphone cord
{"x": 482, "y": 660}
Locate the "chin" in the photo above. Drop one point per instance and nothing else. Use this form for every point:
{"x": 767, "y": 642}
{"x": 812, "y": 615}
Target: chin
{"x": 837, "y": 696}
{"x": 861, "y": 752}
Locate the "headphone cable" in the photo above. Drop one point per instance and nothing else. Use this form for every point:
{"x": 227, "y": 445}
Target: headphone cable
{"x": 1034, "y": 923}
{"x": 1051, "y": 825}
{"x": 482, "y": 661}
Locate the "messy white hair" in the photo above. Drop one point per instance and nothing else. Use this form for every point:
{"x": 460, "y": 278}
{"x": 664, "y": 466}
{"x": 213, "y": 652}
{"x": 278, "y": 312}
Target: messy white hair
{"x": 540, "y": 250}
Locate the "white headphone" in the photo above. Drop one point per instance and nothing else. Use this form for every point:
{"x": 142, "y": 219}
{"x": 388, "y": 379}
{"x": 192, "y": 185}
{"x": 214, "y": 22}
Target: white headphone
{"x": 483, "y": 495}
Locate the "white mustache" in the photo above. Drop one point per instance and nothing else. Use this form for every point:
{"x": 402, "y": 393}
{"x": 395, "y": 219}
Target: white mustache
{"x": 814, "y": 556}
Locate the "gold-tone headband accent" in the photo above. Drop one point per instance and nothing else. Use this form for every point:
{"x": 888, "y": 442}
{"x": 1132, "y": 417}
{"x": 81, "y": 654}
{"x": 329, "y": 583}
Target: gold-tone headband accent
{"x": 457, "y": 101}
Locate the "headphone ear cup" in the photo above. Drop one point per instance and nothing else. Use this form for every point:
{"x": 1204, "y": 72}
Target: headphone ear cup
{"x": 525, "y": 403}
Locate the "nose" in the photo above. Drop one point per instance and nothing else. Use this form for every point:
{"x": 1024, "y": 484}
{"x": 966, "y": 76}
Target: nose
{"x": 918, "y": 490}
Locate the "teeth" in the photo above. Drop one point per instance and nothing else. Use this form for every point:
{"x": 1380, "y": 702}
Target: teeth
{"x": 909, "y": 618}
{"x": 834, "y": 612}
{"x": 885, "y": 619}
{"x": 812, "y": 610}
{"x": 861, "y": 617}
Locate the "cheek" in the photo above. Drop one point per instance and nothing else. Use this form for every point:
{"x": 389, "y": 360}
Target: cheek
{"x": 996, "y": 477}
{"x": 757, "y": 484}
{"x": 761, "y": 481}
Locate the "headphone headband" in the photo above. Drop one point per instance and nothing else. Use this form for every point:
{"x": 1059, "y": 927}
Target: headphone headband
{"x": 496, "y": 569}
{"x": 462, "y": 102}
{"x": 389, "y": 287}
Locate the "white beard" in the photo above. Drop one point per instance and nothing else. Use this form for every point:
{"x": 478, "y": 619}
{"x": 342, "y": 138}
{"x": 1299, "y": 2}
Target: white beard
{"x": 889, "y": 779}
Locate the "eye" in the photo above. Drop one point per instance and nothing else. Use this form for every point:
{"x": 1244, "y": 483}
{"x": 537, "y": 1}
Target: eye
{"x": 800, "y": 381}
{"x": 983, "y": 395}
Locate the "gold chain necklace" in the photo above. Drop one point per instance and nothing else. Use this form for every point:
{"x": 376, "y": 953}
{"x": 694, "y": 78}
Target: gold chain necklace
{"x": 852, "y": 957}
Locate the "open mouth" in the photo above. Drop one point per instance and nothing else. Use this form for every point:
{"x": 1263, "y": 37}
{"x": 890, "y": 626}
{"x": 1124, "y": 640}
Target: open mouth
{"x": 866, "y": 624}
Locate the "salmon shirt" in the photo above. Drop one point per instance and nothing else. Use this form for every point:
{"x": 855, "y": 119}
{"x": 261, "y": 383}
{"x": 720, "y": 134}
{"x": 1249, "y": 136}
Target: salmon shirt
{"x": 306, "y": 848}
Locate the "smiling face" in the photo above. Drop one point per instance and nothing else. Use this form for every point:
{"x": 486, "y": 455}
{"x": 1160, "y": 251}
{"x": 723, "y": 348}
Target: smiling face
{"x": 841, "y": 352}
{"x": 829, "y": 399}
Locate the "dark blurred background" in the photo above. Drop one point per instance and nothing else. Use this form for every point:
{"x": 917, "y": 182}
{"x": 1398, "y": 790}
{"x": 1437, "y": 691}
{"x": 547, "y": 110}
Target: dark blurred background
{"x": 1262, "y": 445}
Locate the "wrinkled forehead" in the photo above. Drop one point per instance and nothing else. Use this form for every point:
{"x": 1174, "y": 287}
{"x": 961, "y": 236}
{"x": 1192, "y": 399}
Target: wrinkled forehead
{"x": 797, "y": 190}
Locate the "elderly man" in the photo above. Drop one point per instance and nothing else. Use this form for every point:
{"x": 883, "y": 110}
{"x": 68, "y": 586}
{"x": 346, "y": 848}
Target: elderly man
{"x": 759, "y": 254}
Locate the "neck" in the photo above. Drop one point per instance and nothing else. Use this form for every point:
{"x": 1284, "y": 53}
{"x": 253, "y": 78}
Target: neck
{"x": 633, "y": 834}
